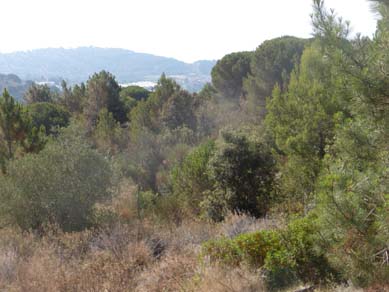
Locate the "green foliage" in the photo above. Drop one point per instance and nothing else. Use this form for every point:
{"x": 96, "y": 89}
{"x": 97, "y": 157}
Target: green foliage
{"x": 250, "y": 248}
{"x": 255, "y": 247}
{"x": 60, "y": 185}
{"x": 228, "y": 74}
{"x": 207, "y": 92}
{"x": 244, "y": 169}
{"x": 151, "y": 157}
{"x": 38, "y": 93}
{"x": 35, "y": 139}
{"x": 102, "y": 91}
{"x": 271, "y": 64}
{"x": 168, "y": 106}
{"x": 18, "y": 133}
{"x": 353, "y": 203}
{"x": 131, "y": 95}
{"x": 73, "y": 99}
{"x": 164, "y": 122}
{"x": 222, "y": 250}
{"x": 178, "y": 111}
{"x": 165, "y": 88}
{"x": 309, "y": 135}
{"x": 108, "y": 136}
{"x": 144, "y": 117}
{"x": 354, "y": 182}
{"x": 191, "y": 179}
{"x": 136, "y": 92}
{"x": 48, "y": 115}
{"x": 163, "y": 209}
{"x": 235, "y": 174}
{"x": 302, "y": 119}
{"x": 12, "y": 126}
{"x": 297, "y": 253}
{"x": 287, "y": 255}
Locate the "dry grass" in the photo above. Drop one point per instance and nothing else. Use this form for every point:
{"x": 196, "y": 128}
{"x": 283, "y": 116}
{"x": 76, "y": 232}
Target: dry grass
{"x": 84, "y": 261}
{"x": 219, "y": 279}
{"x": 8, "y": 264}
{"x": 170, "y": 273}
{"x": 236, "y": 224}
{"x": 136, "y": 256}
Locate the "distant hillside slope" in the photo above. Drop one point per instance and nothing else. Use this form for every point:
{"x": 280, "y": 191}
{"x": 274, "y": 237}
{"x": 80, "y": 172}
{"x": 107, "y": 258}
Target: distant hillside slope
{"x": 14, "y": 85}
{"x": 76, "y": 65}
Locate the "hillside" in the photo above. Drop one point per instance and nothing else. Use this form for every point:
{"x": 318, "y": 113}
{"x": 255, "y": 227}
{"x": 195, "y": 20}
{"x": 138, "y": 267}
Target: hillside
{"x": 14, "y": 85}
{"x": 76, "y": 65}
{"x": 274, "y": 177}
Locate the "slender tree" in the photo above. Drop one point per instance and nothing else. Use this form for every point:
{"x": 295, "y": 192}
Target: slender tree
{"x": 12, "y": 123}
{"x": 102, "y": 91}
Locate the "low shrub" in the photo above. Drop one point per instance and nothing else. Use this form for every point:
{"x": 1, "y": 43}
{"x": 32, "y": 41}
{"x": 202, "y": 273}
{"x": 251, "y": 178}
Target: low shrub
{"x": 297, "y": 256}
{"x": 251, "y": 248}
{"x": 289, "y": 254}
{"x": 222, "y": 250}
{"x": 255, "y": 247}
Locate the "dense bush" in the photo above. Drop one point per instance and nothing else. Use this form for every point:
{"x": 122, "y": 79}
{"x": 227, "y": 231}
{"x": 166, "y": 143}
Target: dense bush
{"x": 49, "y": 115}
{"x": 244, "y": 170}
{"x": 271, "y": 64}
{"x": 286, "y": 255}
{"x": 298, "y": 255}
{"x": 250, "y": 248}
{"x": 191, "y": 179}
{"x": 60, "y": 185}
{"x": 228, "y": 74}
{"x": 235, "y": 174}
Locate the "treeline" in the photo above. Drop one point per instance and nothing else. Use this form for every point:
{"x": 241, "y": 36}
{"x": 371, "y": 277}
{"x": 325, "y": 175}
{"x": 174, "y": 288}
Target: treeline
{"x": 297, "y": 129}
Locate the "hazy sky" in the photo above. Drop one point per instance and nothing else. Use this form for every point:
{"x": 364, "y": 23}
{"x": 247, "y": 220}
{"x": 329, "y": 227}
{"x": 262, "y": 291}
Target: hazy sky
{"x": 188, "y": 30}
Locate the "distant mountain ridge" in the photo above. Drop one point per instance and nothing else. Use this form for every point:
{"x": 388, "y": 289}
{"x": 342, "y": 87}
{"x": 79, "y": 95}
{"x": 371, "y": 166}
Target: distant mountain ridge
{"x": 15, "y": 86}
{"x": 76, "y": 65}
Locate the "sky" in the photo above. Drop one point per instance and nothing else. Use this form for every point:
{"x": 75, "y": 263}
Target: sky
{"x": 187, "y": 30}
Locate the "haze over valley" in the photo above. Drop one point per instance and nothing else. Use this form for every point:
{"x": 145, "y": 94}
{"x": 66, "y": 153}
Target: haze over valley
{"x": 77, "y": 65}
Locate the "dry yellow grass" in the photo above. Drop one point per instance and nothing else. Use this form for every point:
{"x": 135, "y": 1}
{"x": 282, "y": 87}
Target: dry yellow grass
{"x": 136, "y": 256}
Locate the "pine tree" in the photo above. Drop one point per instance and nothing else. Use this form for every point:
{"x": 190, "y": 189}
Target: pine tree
{"x": 12, "y": 124}
{"x": 102, "y": 91}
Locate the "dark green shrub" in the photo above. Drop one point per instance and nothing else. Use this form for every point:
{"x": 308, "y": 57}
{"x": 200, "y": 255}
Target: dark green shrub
{"x": 244, "y": 170}
{"x": 49, "y": 115}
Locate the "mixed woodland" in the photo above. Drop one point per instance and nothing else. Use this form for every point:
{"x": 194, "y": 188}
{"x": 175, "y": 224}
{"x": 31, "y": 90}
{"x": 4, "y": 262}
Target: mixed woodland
{"x": 273, "y": 177}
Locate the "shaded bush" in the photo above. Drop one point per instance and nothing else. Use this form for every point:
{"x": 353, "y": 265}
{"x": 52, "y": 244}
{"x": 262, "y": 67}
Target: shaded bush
{"x": 244, "y": 170}
{"x": 48, "y": 115}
